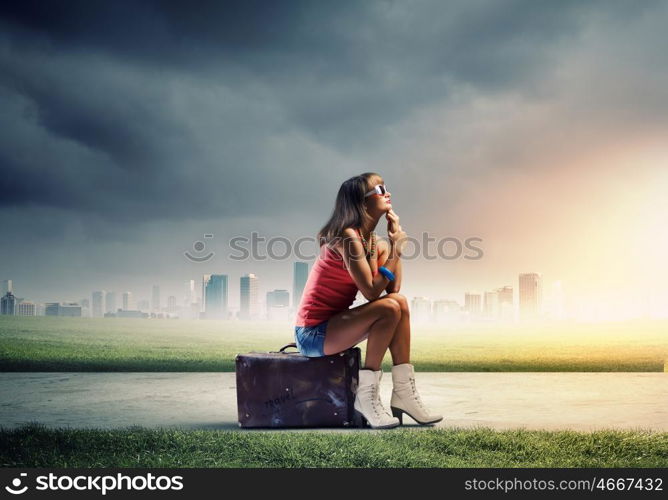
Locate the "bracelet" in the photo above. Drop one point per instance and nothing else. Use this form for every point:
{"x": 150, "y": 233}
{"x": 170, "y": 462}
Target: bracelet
{"x": 386, "y": 272}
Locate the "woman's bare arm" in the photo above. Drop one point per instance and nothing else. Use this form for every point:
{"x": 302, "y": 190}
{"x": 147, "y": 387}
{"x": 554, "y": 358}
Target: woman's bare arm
{"x": 383, "y": 250}
{"x": 353, "y": 255}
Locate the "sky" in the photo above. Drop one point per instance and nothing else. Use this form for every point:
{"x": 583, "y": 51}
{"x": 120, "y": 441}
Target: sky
{"x": 132, "y": 129}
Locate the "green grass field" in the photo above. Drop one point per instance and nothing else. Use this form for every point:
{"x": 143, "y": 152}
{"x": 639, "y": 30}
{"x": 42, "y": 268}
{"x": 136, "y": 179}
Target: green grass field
{"x": 112, "y": 344}
{"x": 36, "y": 446}
{"x": 77, "y": 344}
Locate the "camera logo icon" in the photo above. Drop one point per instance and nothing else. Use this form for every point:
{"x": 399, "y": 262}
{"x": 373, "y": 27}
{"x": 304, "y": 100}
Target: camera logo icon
{"x": 199, "y": 247}
{"x": 16, "y": 483}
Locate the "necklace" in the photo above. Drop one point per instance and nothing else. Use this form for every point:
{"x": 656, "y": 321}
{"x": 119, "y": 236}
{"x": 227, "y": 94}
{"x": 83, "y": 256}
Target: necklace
{"x": 369, "y": 248}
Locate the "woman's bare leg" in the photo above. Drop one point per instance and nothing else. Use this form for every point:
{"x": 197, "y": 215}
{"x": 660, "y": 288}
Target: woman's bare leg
{"x": 375, "y": 321}
{"x": 400, "y": 347}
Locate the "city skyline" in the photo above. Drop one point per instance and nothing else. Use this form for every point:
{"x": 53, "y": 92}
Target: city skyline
{"x": 524, "y": 300}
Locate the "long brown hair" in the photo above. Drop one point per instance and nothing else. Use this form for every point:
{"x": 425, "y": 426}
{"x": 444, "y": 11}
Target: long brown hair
{"x": 349, "y": 208}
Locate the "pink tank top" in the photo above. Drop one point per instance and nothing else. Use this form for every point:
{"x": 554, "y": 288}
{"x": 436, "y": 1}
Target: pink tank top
{"x": 329, "y": 289}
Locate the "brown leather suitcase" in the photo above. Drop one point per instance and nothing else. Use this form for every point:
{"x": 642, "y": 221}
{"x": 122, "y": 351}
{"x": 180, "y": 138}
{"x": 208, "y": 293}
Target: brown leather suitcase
{"x": 286, "y": 389}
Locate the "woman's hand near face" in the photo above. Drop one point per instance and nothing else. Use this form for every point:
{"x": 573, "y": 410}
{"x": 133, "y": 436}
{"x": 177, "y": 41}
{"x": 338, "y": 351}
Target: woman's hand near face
{"x": 392, "y": 219}
{"x": 395, "y": 233}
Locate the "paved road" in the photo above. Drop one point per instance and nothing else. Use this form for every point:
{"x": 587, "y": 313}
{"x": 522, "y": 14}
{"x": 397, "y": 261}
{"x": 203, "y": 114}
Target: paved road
{"x": 578, "y": 401}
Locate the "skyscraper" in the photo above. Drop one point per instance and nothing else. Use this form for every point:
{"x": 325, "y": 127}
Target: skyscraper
{"x": 300, "y": 275}
{"x": 110, "y": 302}
{"x": 472, "y": 304}
{"x": 421, "y": 309}
{"x": 248, "y": 300}
{"x": 205, "y": 282}
{"x": 5, "y": 286}
{"x": 128, "y": 301}
{"x": 62, "y": 309}
{"x": 26, "y": 309}
{"x": 491, "y": 305}
{"x": 531, "y": 295}
{"x": 505, "y": 295}
{"x": 506, "y": 303}
{"x": 8, "y": 304}
{"x": 445, "y": 311}
{"x": 214, "y": 292}
{"x": 188, "y": 293}
{"x": 69, "y": 309}
{"x": 98, "y": 304}
{"x": 51, "y": 308}
{"x": 155, "y": 298}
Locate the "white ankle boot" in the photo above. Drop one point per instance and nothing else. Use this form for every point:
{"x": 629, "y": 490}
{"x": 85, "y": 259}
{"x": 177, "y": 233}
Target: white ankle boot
{"x": 368, "y": 408}
{"x": 405, "y": 398}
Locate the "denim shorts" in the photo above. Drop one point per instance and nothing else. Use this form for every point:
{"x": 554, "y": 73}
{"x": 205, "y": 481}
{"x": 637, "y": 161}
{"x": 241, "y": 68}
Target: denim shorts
{"x": 310, "y": 340}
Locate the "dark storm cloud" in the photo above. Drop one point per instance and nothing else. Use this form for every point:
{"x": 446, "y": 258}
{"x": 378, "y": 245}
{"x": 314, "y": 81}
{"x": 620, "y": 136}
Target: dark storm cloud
{"x": 136, "y": 111}
{"x": 326, "y": 37}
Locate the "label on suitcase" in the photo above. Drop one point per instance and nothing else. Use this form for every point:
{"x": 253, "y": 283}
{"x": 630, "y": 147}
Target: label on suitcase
{"x": 287, "y": 389}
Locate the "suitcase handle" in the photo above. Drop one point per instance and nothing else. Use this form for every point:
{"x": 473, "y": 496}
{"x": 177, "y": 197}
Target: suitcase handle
{"x": 286, "y": 346}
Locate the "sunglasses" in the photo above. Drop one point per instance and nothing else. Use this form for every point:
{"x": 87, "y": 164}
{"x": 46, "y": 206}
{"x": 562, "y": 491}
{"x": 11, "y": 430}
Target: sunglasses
{"x": 380, "y": 189}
